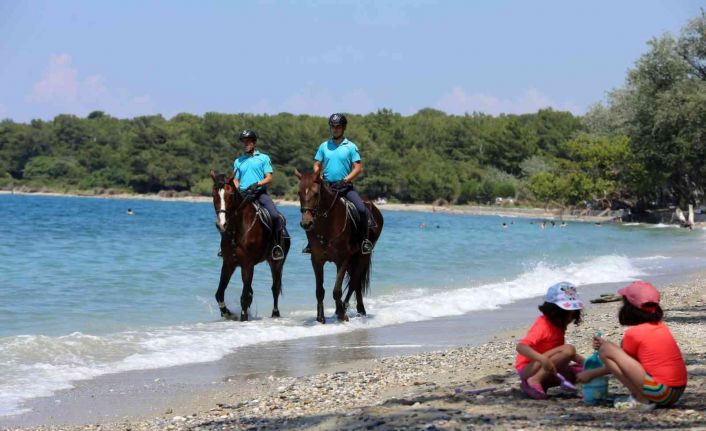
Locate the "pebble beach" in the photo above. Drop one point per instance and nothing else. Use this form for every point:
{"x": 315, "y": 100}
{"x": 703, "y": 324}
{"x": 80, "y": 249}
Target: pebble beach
{"x": 459, "y": 388}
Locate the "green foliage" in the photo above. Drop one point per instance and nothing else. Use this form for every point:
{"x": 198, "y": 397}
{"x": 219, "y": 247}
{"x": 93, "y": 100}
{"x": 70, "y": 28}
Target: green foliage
{"x": 662, "y": 110}
{"x": 53, "y": 168}
{"x": 422, "y": 157}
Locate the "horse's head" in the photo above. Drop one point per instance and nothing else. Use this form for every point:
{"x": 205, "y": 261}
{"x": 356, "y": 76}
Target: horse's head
{"x": 310, "y": 188}
{"x": 224, "y": 199}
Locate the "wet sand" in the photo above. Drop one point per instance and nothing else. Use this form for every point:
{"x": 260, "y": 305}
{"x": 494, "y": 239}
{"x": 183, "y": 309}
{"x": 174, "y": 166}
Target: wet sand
{"x": 378, "y": 378}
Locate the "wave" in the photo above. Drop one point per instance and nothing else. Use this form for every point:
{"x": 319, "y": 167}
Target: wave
{"x": 41, "y": 365}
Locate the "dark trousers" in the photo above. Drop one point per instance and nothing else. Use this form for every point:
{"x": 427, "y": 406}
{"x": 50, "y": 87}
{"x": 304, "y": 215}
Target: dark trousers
{"x": 266, "y": 201}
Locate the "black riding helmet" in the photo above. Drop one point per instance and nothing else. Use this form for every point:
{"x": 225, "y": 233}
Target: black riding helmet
{"x": 337, "y": 120}
{"x": 247, "y": 133}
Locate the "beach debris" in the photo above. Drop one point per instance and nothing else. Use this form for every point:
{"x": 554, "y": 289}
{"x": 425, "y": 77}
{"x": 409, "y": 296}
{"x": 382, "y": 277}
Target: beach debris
{"x": 607, "y": 297}
{"x": 474, "y": 391}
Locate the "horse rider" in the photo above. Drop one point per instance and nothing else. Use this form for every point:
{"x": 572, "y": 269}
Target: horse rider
{"x": 341, "y": 165}
{"x": 252, "y": 173}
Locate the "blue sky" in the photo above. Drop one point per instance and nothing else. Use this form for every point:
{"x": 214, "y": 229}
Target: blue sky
{"x": 132, "y": 58}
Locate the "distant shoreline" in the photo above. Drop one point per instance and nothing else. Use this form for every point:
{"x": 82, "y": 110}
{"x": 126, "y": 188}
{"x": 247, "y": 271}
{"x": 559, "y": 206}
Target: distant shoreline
{"x": 518, "y": 212}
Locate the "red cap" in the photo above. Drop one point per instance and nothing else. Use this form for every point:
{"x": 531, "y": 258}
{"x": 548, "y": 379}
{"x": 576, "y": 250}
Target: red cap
{"x": 640, "y": 293}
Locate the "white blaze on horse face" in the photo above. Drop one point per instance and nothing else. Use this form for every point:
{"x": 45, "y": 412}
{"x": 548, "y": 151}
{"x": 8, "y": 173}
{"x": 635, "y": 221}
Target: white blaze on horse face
{"x": 221, "y": 216}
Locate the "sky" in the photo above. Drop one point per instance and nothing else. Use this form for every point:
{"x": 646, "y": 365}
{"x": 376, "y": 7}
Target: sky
{"x": 131, "y": 58}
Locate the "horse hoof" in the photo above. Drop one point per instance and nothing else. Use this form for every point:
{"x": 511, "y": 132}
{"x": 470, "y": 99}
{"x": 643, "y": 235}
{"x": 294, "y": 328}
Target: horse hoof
{"x": 343, "y": 318}
{"x": 243, "y": 317}
{"x": 321, "y": 320}
{"x": 226, "y": 314}
{"x": 275, "y": 313}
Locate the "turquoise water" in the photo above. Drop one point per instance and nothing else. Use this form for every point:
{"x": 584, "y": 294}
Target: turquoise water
{"x": 87, "y": 290}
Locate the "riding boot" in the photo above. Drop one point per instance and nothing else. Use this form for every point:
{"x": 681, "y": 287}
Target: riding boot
{"x": 277, "y": 250}
{"x": 366, "y": 246}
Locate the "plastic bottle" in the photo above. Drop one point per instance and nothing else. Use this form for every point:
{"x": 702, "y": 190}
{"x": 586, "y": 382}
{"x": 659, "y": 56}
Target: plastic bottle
{"x": 595, "y": 391}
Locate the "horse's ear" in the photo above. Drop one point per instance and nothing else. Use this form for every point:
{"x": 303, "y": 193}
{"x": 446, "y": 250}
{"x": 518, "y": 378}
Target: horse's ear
{"x": 297, "y": 174}
{"x": 213, "y": 175}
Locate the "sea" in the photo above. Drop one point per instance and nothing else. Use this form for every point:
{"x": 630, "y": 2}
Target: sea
{"x": 87, "y": 290}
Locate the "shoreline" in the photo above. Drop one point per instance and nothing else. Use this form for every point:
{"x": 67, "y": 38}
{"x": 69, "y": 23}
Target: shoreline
{"x": 492, "y": 210}
{"x": 419, "y": 390}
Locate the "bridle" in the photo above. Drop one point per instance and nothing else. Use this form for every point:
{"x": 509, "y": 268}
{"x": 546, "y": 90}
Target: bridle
{"x": 315, "y": 211}
{"x": 234, "y": 212}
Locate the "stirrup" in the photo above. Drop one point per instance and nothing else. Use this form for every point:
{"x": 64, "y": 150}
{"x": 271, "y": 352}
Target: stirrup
{"x": 277, "y": 252}
{"x": 366, "y": 247}
{"x": 306, "y": 249}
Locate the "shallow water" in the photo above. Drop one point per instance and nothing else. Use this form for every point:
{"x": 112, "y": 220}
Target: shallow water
{"x": 86, "y": 290}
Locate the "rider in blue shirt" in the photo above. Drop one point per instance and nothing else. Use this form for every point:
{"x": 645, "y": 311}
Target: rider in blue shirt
{"x": 252, "y": 173}
{"x": 341, "y": 164}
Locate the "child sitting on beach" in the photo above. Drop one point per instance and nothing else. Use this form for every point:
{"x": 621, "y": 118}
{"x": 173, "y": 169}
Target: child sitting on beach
{"x": 649, "y": 364}
{"x": 543, "y": 359}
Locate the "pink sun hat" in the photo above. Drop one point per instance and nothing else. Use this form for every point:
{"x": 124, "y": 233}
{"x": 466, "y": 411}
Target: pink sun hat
{"x": 641, "y": 293}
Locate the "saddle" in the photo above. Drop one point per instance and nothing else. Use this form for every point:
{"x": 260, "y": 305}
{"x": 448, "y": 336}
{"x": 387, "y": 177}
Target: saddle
{"x": 353, "y": 215}
{"x": 264, "y": 215}
{"x": 266, "y": 218}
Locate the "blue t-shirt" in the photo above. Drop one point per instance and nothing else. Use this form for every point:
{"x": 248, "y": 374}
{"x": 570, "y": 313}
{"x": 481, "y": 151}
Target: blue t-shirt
{"x": 251, "y": 169}
{"x": 337, "y": 159}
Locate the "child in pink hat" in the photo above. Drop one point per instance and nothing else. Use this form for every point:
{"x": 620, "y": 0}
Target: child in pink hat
{"x": 649, "y": 362}
{"x": 543, "y": 359}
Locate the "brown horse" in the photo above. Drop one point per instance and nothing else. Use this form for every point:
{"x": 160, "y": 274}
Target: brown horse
{"x": 331, "y": 236}
{"x": 245, "y": 242}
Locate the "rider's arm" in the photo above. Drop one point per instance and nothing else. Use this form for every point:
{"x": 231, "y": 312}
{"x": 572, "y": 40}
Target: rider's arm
{"x": 265, "y": 181}
{"x": 236, "y": 183}
{"x": 357, "y": 169}
{"x": 317, "y": 167}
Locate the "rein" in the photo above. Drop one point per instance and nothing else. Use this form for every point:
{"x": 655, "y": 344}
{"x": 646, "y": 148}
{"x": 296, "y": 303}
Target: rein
{"x": 315, "y": 210}
{"x": 235, "y": 211}
{"x": 324, "y": 214}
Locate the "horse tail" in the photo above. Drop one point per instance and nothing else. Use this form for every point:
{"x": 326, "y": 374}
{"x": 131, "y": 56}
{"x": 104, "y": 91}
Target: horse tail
{"x": 365, "y": 278}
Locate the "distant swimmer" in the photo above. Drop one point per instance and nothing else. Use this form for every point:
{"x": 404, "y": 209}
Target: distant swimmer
{"x": 504, "y": 225}
{"x": 563, "y": 224}
{"x": 543, "y": 225}
{"x": 129, "y": 211}
{"x": 422, "y": 225}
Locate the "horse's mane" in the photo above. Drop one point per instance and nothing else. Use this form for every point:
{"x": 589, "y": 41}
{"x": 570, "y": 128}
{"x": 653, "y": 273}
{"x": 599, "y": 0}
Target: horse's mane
{"x": 221, "y": 180}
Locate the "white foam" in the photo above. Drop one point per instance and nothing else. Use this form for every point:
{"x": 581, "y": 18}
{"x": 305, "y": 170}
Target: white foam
{"x": 663, "y": 226}
{"x": 648, "y": 258}
{"x": 40, "y": 365}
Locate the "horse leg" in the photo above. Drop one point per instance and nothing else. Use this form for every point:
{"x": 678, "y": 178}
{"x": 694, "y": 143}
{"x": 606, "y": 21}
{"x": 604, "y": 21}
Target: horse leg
{"x": 359, "y": 302}
{"x": 276, "y": 269}
{"x": 227, "y": 269}
{"x": 338, "y": 290}
{"x": 246, "y": 272}
{"x": 320, "y": 292}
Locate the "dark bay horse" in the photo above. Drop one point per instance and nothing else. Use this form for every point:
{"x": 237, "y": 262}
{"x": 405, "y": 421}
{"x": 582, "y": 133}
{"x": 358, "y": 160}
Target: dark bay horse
{"x": 245, "y": 242}
{"x": 331, "y": 237}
